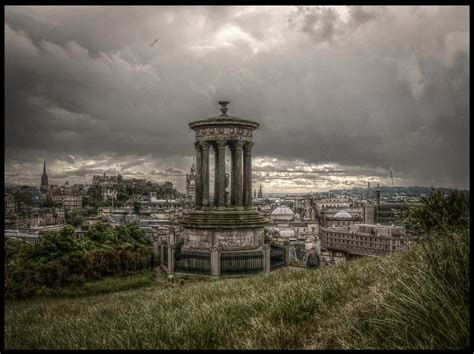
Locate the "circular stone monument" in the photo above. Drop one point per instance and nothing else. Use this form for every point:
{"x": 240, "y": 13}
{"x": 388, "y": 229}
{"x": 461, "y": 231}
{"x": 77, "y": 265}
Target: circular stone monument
{"x": 226, "y": 224}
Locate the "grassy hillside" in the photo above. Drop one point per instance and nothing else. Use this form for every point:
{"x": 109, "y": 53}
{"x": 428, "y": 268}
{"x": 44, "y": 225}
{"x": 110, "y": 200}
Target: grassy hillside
{"x": 415, "y": 299}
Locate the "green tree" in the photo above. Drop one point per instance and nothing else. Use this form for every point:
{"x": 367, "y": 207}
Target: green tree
{"x": 75, "y": 218}
{"x": 48, "y": 202}
{"x": 439, "y": 212}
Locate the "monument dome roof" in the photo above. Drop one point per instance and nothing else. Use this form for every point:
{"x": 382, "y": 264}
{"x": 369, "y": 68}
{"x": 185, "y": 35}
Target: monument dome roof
{"x": 282, "y": 212}
{"x": 343, "y": 215}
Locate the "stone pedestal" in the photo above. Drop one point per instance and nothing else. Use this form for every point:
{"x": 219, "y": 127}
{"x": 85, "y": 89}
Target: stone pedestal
{"x": 229, "y": 229}
{"x": 266, "y": 258}
{"x": 215, "y": 262}
{"x": 161, "y": 253}
{"x": 287, "y": 253}
{"x": 171, "y": 258}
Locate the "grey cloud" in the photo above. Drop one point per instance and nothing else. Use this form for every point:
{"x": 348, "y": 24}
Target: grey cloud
{"x": 360, "y": 15}
{"x": 390, "y": 89}
{"x": 320, "y": 23}
{"x": 323, "y": 24}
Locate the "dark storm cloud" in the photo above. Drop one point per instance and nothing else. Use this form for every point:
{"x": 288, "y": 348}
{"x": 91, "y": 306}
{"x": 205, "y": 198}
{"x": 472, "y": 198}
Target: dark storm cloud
{"x": 324, "y": 24}
{"x": 366, "y": 88}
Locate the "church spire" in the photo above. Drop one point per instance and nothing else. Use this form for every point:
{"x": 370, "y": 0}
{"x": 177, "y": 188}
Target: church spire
{"x": 44, "y": 177}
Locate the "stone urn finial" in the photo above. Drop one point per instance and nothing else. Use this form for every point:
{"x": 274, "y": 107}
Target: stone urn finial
{"x": 224, "y": 107}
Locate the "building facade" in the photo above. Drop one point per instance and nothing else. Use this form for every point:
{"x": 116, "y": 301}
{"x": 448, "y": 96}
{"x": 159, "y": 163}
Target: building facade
{"x": 364, "y": 239}
{"x": 339, "y": 203}
{"x": 105, "y": 180}
{"x": 338, "y": 217}
{"x": 384, "y": 213}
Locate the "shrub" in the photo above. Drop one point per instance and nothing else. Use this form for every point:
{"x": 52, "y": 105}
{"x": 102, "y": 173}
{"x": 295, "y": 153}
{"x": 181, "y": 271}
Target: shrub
{"x": 60, "y": 259}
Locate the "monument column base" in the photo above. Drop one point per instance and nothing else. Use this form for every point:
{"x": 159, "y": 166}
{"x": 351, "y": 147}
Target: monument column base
{"x": 215, "y": 262}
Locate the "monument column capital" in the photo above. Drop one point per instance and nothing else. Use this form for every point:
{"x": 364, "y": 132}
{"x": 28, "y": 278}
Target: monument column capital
{"x": 221, "y": 144}
{"x": 238, "y": 144}
{"x": 248, "y": 146}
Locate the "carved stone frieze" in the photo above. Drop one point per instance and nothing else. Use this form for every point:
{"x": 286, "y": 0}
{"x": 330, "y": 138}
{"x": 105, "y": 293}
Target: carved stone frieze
{"x": 223, "y": 133}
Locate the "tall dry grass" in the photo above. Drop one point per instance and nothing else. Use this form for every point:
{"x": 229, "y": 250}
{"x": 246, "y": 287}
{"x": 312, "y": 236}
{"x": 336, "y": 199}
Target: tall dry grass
{"x": 415, "y": 299}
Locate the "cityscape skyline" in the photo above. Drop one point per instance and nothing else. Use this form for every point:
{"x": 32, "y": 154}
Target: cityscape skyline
{"x": 343, "y": 95}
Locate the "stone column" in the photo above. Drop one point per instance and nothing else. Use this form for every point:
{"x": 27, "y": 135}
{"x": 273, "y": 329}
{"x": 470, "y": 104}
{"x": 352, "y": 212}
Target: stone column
{"x": 198, "y": 197}
{"x": 170, "y": 257}
{"x": 205, "y": 174}
{"x": 248, "y": 175}
{"x": 215, "y": 262}
{"x": 220, "y": 173}
{"x": 239, "y": 193}
{"x": 233, "y": 175}
{"x": 216, "y": 179}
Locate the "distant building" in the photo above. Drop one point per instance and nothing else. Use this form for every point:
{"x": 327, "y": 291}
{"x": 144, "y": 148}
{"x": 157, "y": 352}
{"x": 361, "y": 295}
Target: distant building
{"x": 22, "y": 236}
{"x": 340, "y": 203}
{"x": 68, "y": 199}
{"x": 364, "y": 239}
{"x": 71, "y": 202}
{"x": 384, "y": 213}
{"x": 286, "y": 226}
{"x": 340, "y": 218}
{"x": 282, "y": 213}
{"x": 134, "y": 182}
{"x": 260, "y": 193}
{"x": 107, "y": 193}
{"x": 191, "y": 184}
{"x": 9, "y": 204}
{"x": 122, "y": 216}
{"x": 105, "y": 180}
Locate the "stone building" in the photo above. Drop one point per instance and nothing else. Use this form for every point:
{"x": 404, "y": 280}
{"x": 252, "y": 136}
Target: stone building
{"x": 364, "y": 239}
{"x": 105, "y": 180}
{"x": 384, "y": 213}
{"x": 72, "y": 201}
{"x": 68, "y": 200}
{"x": 191, "y": 185}
{"x": 9, "y": 204}
{"x": 338, "y": 217}
{"x": 107, "y": 193}
{"x": 286, "y": 227}
{"x": 340, "y": 203}
{"x": 282, "y": 213}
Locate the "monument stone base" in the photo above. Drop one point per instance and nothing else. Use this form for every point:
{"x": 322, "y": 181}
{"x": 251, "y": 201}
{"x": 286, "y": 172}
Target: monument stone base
{"x": 227, "y": 229}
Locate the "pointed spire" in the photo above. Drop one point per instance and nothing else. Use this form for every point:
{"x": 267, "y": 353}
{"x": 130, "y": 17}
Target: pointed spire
{"x": 44, "y": 177}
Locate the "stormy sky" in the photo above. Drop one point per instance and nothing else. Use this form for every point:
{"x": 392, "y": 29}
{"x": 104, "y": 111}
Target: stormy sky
{"x": 343, "y": 94}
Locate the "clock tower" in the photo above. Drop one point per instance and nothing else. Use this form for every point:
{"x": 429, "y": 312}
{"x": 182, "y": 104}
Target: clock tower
{"x": 191, "y": 184}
